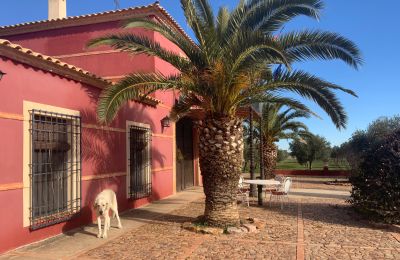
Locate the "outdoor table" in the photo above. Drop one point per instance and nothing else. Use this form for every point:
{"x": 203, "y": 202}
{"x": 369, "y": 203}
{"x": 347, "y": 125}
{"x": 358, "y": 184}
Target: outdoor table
{"x": 260, "y": 184}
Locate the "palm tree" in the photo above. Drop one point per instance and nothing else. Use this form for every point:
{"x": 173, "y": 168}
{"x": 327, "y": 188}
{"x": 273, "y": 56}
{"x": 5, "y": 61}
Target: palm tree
{"x": 229, "y": 66}
{"x": 279, "y": 124}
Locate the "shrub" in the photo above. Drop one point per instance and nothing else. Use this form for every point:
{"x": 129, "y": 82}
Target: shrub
{"x": 376, "y": 186}
{"x": 354, "y": 150}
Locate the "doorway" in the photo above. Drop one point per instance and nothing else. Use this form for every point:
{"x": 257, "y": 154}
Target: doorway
{"x": 184, "y": 154}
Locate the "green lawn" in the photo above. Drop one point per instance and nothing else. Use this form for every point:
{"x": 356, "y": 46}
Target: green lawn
{"x": 292, "y": 164}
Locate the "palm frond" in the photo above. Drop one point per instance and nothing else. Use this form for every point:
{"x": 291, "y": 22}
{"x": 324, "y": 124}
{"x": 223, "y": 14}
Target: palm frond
{"x": 307, "y": 45}
{"x": 251, "y": 48}
{"x": 235, "y": 20}
{"x": 296, "y": 113}
{"x": 140, "y": 44}
{"x": 269, "y": 16}
{"x": 192, "y": 18}
{"x": 313, "y": 88}
{"x": 205, "y": 11}
{"x": 293, "y": 126}
{"x": 278, "y": 123}
{"x": 293, "y": 104}
{"x": 183, "y": 106}
{"x": 222, "y": 21}
{"x": 191, "y": 50}
{"x": 132, "y": 87}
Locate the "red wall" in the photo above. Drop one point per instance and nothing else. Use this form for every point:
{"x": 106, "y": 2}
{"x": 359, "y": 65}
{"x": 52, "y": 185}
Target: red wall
{"x": 69, "y": 44}
{"x": 103, "y": 151}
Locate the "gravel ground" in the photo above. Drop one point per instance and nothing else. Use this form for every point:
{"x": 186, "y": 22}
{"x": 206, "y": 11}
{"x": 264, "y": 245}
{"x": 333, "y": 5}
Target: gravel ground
{"x": 331, "y": 230}
{"x": 319, "y": 183}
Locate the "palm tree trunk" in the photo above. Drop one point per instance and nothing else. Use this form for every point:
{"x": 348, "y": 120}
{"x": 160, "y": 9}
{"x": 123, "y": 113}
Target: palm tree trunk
{"x": 221, "y": 159}
{"x": 270, "y": 155}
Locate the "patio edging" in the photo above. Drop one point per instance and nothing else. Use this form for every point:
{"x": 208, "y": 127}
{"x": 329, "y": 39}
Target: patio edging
{"x": 300, "y": 250}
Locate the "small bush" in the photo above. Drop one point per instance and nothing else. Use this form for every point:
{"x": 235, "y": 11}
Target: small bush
{"x": 376, "y": 186}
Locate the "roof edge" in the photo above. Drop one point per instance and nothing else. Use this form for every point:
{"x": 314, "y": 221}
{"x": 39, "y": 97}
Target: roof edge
{"x": 47, "y": 63}
{"x": 108, "y": 16}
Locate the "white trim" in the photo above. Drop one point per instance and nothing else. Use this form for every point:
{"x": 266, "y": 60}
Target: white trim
{"x": 128, "y": 172}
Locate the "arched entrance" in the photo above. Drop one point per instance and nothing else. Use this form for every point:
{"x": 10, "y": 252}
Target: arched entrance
{"x": 184, "y": 154}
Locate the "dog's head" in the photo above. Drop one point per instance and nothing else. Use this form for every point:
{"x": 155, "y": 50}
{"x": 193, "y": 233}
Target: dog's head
{"x": 101, "y": 205}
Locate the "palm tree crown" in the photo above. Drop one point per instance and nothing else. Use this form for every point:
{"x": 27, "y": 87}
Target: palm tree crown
{"x": 280, "y": 124}
{"x": 231, "y": 62}
{"x": 277, "y": 123}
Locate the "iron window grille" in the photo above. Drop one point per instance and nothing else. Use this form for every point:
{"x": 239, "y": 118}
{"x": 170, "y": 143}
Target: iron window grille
{"x": 139, "y": 162}
{"x": 55, "y": 168}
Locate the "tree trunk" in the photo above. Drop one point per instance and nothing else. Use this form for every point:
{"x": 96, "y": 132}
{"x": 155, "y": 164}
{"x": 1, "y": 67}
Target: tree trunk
{"x": 221, "y": 159}
{"x": 270, "y": 154}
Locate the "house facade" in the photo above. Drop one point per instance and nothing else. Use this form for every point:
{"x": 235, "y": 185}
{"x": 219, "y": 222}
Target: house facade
{"x": 55, "y": 156}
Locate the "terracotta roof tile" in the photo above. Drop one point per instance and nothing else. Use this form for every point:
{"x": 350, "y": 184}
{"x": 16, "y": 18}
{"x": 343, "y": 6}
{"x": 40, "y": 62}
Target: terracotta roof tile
{"x": 155, "y": 6}
{"x": 43, "y": 57}
{"x": 78, "y": 16}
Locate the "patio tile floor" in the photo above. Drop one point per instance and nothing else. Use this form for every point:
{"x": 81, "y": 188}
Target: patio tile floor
{"x": 316, "y": 224}
{"x": 330, "y": 230}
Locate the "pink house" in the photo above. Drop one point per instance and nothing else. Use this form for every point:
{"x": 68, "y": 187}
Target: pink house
{"x": 55, "y": 157}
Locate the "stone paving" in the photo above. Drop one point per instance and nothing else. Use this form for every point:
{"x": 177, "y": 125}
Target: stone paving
{"x": 78, "y": 241}
{"x": 310, "y": 227}
{"x": 316, "y": 224}
{"x": 319, "y": 183}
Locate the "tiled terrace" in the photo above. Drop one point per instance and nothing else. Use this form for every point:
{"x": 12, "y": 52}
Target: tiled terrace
{"x": 317, "y": 224}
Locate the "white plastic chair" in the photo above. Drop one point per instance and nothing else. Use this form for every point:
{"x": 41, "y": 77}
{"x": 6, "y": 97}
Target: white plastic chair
{"x": 243, "y": 193}
{"x": 268, "y": 190}
{"x": 282, "y": 193}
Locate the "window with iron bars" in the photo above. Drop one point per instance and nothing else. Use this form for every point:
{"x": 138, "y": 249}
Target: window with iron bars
{"x": 55, "y": 168}
{"x": 139, "y": 162}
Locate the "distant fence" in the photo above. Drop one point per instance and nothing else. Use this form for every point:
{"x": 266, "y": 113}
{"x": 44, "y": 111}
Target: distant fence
{"x": 324, "y": 172}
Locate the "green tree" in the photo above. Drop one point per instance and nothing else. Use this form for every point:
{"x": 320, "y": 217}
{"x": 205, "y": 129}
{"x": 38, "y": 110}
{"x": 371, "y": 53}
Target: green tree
{"x": 309, "y": 149}
{"x": 230, "y": 65}
{"x": 335, "y": 153}
{"x": 282, "y": 155}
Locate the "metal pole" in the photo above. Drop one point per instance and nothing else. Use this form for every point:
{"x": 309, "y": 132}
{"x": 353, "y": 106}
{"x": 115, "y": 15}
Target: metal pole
{"x": 262, "y": 176}
{"x": 260, "y": 195}
{"x": 252, "y": 175}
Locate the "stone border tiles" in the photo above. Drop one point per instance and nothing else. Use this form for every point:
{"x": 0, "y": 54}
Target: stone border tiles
{"x": 300, "y": 233}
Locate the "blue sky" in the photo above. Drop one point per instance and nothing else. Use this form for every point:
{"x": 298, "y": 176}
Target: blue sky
{"x": 373, "y": 25}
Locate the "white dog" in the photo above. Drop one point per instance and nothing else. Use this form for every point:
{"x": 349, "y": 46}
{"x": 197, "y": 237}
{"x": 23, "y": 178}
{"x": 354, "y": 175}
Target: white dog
{"x": 106, "y": 201}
